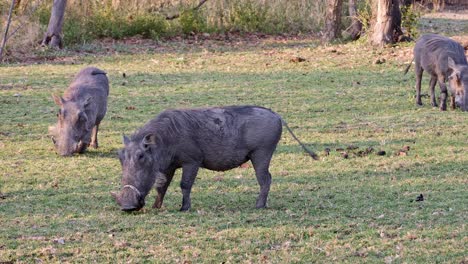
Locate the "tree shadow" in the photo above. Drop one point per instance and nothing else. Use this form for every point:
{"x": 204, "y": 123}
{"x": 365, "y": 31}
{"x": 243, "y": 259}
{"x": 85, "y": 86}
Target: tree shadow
{"x": 100, "y": 153}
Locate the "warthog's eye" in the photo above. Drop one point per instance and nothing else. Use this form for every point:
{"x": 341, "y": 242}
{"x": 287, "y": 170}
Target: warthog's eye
{"x": 140, "y": 156}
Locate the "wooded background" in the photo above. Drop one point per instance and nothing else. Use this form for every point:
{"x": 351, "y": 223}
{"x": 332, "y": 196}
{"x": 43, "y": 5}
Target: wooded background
{"x": 87, "y": 20}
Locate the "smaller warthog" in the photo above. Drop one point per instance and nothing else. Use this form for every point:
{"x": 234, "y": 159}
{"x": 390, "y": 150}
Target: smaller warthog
{"x": 82, "y": 107}
{"x": 219, "y": 139}
{"x": 444, "y": 59}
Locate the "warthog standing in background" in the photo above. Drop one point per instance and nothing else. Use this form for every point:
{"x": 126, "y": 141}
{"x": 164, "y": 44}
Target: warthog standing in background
{"x": 444, "y": 59}
{"x": 218, "y": 139}
{"x": 82, "y": 107}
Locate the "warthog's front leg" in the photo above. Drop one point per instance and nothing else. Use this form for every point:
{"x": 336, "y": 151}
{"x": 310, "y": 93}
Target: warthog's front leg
{"x": 94, "y": 141}
{"x": 162, "y": 183}
{"x": 419, "y": 72}
{"x": 189, "y": 173}
{"x": 443, "y": 95}
{"x": 452, "y": 102}
{"x": 432, "y": 85}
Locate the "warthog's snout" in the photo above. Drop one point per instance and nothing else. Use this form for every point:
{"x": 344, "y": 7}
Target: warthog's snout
{"x": 69, "y": 150}
{"x": 128, "y": 207}
{"x": 129, "y": 199}
{"x": 131, "y": 208}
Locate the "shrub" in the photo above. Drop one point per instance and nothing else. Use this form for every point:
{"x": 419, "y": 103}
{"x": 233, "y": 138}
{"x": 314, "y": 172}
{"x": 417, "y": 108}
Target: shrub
{"x": 409, "y": 20}
{"x": 249, "y": 17}
{"x": 88, "y": 20}
{"x": 147, "y": 25}
{"x": 110, "y": 23}
{"x": 192, "y": 21}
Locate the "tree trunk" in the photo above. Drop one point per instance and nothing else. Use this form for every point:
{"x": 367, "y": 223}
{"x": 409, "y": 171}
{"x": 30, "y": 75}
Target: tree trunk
{"x": 2, "y": 48}
{"x": 383, "y": 27}
{"x": 332, "y": 20}
{"x": 356, "y": 25}
{"x": 439, "y": 5}
{"x": 396, "y": 20}
{"x": 54, "y": 30}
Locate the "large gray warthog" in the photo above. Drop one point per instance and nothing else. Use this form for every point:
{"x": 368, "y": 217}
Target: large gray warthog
{"x": 218, "y": 139}
{"x": 444, "y": 59}
{"x": 82, "y": 107}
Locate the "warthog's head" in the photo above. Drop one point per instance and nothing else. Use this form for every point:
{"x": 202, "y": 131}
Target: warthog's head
{"x": 138, "y": 172}
{"x": 458, "y": 82}
{"x": 71, "y": 127}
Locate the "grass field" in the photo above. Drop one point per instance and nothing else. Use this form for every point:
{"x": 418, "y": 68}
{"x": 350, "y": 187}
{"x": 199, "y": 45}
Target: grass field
{"x": 360, "y": 209}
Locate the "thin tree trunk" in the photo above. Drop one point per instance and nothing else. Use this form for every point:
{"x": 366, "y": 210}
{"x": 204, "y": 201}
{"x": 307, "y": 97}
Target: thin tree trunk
{"x": 439, "y": 5}
{"x": 53, "y": 36}
{"x": 332, "y": 20}
{"x": 383, "y": 28}
{"x": 6, "y": 29}
{"x": 356, "y": 25}
{"x": 396, "y": 20}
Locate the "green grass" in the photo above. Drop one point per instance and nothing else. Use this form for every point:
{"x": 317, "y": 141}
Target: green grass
{"x": 360, "y": 209}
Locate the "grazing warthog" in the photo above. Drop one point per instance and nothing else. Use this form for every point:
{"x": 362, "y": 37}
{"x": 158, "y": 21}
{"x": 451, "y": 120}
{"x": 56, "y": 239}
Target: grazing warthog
{"x": 444, "y": 59}
{"x": 219, "y": 139}
{"x": 82, "y": 107}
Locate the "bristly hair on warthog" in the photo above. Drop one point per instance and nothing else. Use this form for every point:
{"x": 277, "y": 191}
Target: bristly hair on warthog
{"x": 218, "y": 138}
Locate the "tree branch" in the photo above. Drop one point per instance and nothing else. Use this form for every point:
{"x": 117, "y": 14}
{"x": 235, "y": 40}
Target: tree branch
{"x": 193, "y": 9}
{"x": 34, "y": 9}
{"x": 6, "y": 29}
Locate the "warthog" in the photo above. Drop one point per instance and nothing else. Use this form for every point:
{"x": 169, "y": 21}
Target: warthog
{"x": 219, "y": 139}
{"x": 444, "y": 59}
{"x": 82, "y": 107}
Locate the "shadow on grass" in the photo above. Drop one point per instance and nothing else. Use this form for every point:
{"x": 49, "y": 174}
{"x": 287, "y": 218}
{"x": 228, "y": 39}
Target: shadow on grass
{"x": 100, "y": 153}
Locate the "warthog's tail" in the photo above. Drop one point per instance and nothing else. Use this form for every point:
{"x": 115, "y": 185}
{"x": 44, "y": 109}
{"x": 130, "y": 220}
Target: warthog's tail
{"x": 311, "y": 153}
{"x": 409, "y": 66}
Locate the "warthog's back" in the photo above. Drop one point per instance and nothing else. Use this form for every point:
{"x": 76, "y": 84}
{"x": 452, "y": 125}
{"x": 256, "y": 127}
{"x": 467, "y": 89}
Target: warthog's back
{"x": 432, "y": 51}
{"x": 90, "y": 80}
{"x": 223, "y": 136}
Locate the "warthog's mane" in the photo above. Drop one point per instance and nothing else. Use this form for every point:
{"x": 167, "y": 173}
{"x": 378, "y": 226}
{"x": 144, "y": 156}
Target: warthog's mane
{"x": 89, "y": 79}
{"x": 170, "y": 124}
{"x": 442, "y": 44}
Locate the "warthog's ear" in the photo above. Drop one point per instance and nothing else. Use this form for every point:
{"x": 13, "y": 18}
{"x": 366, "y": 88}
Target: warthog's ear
{"x": 455, "y": 71}
{"x": 58, "y": 100}
{"x": 451, "y": 63}
{"x": 148, "y": 140}
{"x": 126, "y": 140}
